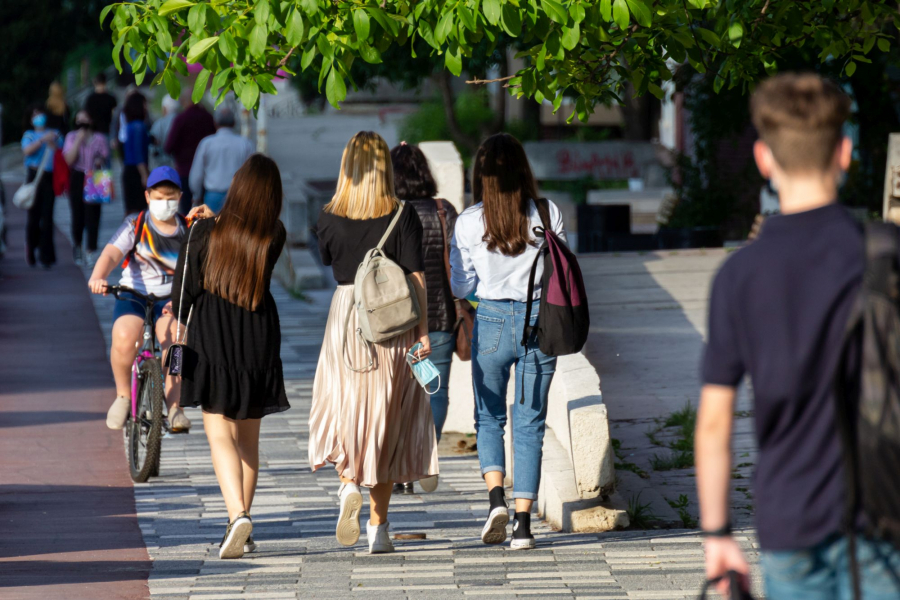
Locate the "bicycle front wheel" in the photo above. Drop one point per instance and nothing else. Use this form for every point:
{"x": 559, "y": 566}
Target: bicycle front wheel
{"x": 144, "y": 432}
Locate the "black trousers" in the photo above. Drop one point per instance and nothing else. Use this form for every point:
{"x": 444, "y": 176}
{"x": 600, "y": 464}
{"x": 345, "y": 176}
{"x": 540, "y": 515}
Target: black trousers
{"x": 133, "y": 190}
{"x": 85, "y": 216}
{"x": 187, "y": 197}
{"x": 39, "y": 225}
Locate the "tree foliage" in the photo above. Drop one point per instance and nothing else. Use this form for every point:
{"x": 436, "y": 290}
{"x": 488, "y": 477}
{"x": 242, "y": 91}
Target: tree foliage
{"x": 587, "y": 49}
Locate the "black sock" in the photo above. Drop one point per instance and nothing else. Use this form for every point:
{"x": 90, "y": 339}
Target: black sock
{"x": 497, "y": 496}
{"x": 523, "y": 524}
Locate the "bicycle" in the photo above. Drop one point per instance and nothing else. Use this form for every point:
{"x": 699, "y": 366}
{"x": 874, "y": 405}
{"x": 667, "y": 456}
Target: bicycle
{"x": 145, "y": 426}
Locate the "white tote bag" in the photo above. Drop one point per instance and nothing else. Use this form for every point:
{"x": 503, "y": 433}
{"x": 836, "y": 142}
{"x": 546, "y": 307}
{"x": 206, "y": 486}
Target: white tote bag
{"x": 24, "y": 196}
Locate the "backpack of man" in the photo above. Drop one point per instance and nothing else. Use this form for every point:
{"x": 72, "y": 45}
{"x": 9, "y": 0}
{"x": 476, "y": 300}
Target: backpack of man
{"x": 383, "y": 297}
{"x": 868, "y": 412}
{"x": 564, "y": 319}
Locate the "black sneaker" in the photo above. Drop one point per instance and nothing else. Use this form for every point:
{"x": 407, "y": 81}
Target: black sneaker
{"x": 249, "y": 545}
{"x": 522, "y": 538}
{"x": 494, "y": 531}
{"x": 78, "y": 255}
{"x": 406, "y": 489}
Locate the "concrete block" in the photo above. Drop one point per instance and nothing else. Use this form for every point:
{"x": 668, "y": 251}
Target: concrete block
{"x": 593, "y": 462}
{"x": 446, "y": 166}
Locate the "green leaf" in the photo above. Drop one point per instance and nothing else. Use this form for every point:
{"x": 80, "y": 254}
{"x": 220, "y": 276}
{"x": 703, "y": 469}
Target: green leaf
{"x": 444, "y": 27}
{"x": 369, "y": 54}
{"x": 361, "y": 24}
{"x": 249, "y": 95}
{"x": 335, "y": 88}
{"x": 641, "y": 12}
{"x": 105, "y": 12}
{"x": 453, "y": 59}
{"x": 261, "y": 13}
{"x": 511, "y": 19}
{"x": 295, "y": 28}
{"x": 620, "y": 14}
{"x": 555, "y": 11}
{"x": 200, "y": 86}
{"x": 467, "y": 18}
{"x": 220, "y": 80}
{"x": 117, "y": 53}
{"x": 173, "y": 6}
{"x": 491, "y": 10}
{"x": 884, "y": 45}
{"x": 736, "y": 33}
{"x": 656, "y": 90}
{"x": 581, "y": 109}
{"x": 571, "y": 37}
{"x": 709, "y": 37}
{"x": 308, "y": 55}
{"x": 606, "y": 10}
{"x": 869, "y": 44}
{"x": 850, "y": 69}
{"x": 541, "y": 58}
{"x": 325, "y": 48}
{"x": 428, "y": 35}
{"x": 578, "y": 13}
{"x": 227, "y": 46}
{"x": 199, "y": 49}
{"x": 164, "y": 39}
{"x": 197, "y": 18}
{"x": 172, "y": 83}
{"x": 258, "y": 37}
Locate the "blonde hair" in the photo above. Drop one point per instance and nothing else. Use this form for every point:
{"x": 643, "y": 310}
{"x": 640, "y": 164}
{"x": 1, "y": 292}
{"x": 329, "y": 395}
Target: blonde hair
{"x": 56, "y": 101}
{"x": 365, "y": 187}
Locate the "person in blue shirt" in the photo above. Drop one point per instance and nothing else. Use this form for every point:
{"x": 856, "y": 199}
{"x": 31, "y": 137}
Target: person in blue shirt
{"x": 38, "y": 146}
{"x": 136, "y": 150}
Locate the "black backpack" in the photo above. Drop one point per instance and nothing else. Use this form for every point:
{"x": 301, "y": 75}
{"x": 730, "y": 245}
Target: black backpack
{"x": 564, "y": 318}
{"x": 868, "y": 409}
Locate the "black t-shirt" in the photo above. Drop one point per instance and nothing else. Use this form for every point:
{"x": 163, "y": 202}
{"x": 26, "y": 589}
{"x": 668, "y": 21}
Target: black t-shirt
{"x": 343, "y": 242}
{"x": 100, "y": 107}
{"x": 778, "y": 311}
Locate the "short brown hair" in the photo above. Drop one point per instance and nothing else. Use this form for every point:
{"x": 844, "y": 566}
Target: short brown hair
{"x": 800, "y": 116}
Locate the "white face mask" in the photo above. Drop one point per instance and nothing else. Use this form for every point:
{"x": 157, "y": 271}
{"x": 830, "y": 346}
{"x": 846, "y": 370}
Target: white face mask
{"x": 163, "y": 210}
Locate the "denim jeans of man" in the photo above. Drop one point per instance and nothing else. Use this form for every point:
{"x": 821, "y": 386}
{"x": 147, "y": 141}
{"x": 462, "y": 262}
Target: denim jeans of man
{"x": 823, "y": 571}
{"x": 443, "y": 343}
{"x": 496, "y": 349}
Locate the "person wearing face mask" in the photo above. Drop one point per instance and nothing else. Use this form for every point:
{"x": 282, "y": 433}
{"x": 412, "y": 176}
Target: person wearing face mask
{"x": 147, "y": 246}
{"x": 85, "y": 150}
{"x": 38, "y": 145}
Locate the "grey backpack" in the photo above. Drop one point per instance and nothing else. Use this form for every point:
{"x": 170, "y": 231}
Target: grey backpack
{"x": 383, "y": 297}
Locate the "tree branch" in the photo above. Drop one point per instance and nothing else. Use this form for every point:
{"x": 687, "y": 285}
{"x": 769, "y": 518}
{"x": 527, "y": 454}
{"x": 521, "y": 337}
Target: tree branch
{"x": 477, "y": 81}
{"x": 287, "y": 56}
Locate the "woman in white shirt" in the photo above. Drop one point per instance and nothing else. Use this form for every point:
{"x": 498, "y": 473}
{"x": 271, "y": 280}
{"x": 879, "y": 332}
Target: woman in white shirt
{"x": 492, "y": 253}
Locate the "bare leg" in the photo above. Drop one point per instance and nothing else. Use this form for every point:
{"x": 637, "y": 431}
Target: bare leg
{"x": 248, "y": 446}
{"x": 222, "y": 434}
{"x": 165, "y": 333}
{"x": 523, "y": 505}
{"x": 379, "y": 499}
{"x": 126, "y": 334}
{"x": 493, "y": 479}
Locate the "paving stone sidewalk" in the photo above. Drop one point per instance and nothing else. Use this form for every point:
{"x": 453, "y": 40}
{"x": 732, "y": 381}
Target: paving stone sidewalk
{"x": 182, "y": 517}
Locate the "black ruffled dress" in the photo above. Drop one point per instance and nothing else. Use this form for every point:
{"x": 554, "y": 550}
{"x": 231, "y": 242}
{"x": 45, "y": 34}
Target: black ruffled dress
{"x": 232, "y": 363}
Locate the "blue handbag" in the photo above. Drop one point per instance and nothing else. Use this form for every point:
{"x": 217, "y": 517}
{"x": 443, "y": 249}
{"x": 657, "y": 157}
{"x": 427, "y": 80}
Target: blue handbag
{"x": 423, "y": 369}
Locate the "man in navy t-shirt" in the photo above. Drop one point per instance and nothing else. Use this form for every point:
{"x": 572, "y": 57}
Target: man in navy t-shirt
{"x": 777, "y": 313}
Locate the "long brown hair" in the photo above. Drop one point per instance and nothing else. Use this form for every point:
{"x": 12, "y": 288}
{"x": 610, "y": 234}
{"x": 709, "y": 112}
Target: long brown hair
{"x": 503, "y": 182}
{"x": 238, "y": 252}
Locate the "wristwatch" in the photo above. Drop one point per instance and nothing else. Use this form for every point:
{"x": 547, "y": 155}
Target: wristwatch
{"x": 724, "y": 531}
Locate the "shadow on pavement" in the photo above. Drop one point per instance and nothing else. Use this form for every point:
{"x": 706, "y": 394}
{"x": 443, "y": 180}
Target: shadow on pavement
{"x": 38, "y": 417}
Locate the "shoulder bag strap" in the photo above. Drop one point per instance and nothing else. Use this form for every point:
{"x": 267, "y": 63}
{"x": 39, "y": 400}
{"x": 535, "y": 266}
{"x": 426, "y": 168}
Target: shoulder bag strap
{"x": 43, "y": 166}
{"x": 543, "y": 208}
{"x": 187, "y": 255}
{"x": 442, "y": 216}
{"x": 390, "y": 228}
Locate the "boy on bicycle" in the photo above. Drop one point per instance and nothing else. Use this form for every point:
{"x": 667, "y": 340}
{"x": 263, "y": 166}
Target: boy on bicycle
{"x": 149, "y": 257}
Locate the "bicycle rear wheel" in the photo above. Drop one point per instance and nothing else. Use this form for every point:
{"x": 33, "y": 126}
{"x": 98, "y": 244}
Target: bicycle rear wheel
{"x": 143, "y": 434}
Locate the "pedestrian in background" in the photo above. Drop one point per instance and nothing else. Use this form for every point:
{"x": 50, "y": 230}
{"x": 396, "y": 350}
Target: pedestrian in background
{"x": 232, "y": 368}
{"x": 414, "y": 183}
{"x": 58, "y": 116}
{"x": 136, "y": 152}
{"x": 779, "y": 312}
{"x": 217, "y": 159}
{"x": 101, "y": 106}
{"x": 39, "y": 143}
{"x": 187, "y": 131}
{"x": 373, "y": 424}
{"x": 159, "y": 131}
{"x": 85, "y": 150}
{"x": 492, "y": 254}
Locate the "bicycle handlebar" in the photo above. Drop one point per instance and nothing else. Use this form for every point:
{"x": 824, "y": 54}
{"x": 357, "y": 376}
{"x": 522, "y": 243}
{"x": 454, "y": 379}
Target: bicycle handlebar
{"x": 115, "y": 290}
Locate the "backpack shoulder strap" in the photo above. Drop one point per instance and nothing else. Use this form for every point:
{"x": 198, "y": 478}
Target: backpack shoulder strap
{"x": 543, "y": 207}
{"x": 138, "y": 228}
{"x": 390, "y": 228}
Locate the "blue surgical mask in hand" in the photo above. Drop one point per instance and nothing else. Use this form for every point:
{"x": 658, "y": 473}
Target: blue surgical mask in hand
{"x": 423, "y": 369}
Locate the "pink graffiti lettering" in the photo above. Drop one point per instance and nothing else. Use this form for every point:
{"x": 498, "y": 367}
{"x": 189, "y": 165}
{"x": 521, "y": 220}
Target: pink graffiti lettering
{"x": 602, "y": 166}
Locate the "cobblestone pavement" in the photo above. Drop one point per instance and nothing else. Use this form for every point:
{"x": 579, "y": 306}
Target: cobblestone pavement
{"x": 182, "y": 517}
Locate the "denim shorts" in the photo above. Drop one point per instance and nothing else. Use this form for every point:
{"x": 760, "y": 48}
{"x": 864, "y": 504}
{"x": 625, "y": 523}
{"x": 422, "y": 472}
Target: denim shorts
{"x": 127, "y": 304}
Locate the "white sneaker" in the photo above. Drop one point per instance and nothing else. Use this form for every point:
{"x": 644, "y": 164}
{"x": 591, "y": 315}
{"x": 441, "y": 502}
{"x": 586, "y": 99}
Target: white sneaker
{"x": 249, "y": 545}
{"x": 118, "y": 413}
{"x": 379, "y": 538}
{"x": 236, "y": 535}
{"x": 429, "y": 484}
{"x": 494, "y": 531}
{"x": 347, "y": 531}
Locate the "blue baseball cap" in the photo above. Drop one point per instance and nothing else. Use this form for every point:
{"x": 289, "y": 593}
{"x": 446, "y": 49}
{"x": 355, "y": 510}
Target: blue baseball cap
{"x": 161, "y": 174}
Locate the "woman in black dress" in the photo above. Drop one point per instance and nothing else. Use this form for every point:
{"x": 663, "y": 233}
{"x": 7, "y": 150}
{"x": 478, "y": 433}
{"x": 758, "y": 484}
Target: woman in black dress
{"x": 232, "y": 365}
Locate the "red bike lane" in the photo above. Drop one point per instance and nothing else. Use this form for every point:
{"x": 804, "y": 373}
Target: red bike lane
{"x": 68, "y": 527}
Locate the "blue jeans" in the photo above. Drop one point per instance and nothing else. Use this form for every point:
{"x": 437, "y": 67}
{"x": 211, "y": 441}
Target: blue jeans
{"x": 443, "y": 343}
{"x": 823, "y": 571}
{"x": 496, "y": 347}
{"x": 214, "y": 200}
